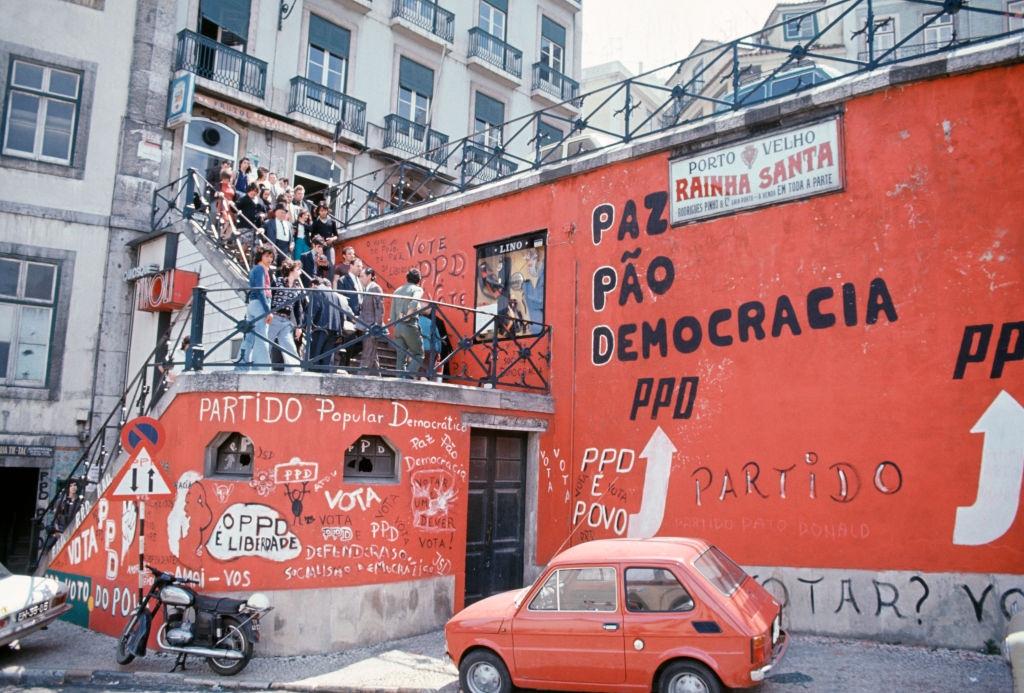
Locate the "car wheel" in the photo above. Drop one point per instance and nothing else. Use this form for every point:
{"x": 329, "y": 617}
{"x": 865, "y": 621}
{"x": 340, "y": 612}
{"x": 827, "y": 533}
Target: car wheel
{"x": 482, "y": 671}
{"x": 688, "y": 677}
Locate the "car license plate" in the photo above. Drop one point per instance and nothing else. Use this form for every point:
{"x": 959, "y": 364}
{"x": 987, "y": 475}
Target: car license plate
{"x": 32, "y": 611}
{"x": 776, "y": 628}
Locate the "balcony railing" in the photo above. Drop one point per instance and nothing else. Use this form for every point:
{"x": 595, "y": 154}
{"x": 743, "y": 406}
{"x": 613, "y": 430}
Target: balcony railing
{"x": 481, "y": 163}
{"x": 414, "y": 138}
{"x": 427, "y": 15}
{"x": 222, "y": 64}
{"x": 553, "y": 82}
{"x": 317, "y": 101}
{"x": 493, "y": 50}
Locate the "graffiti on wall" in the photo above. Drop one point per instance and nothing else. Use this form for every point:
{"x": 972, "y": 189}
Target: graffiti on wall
{"x": 300, "y": 520}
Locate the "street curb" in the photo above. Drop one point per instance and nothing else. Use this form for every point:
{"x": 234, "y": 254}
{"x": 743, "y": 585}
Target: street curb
{"x": 19, "y": 676}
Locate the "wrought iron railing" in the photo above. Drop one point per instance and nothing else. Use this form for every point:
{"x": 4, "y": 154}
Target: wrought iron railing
{"x": 493, "y": 50}
{"x": 93, "y": 469}
{"x": 334, "y": 107}
{"x": 739, "y": 68}
{"x": 427, "y": 15}
{"x": 219, "y": 63}
{"x": 553, "y": 82}
{"x": 431, "y": 340}
{"x": 414, "y": 138}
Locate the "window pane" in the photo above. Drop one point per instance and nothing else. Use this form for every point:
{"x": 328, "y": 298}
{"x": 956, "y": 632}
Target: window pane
{"x": 587, "y": 589}
{"x": 655, "y": 589}
{"x": 6, "y": 329}
{"x": 27, "y": 75}
{"x": 64, "y": 83}
{"x": 6, "y": 322}
{"x": 33, "y": 344}
{"x": 547, "y": 597}
{"x": 39, "y": 281}
{"x": 335, "y": 72}
{"x": 60, "y": 116}
{"x": 21, "y": 122}
{"x": 9, "y": 270}
{"x": 315, "y": 65}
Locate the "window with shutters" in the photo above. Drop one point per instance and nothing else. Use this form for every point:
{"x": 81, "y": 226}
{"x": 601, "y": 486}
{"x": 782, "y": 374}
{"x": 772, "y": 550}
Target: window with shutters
{"x": 225, "y": 21}
{"x": 552, "y": 47}
{"x": 489, "y": 115}
{"x": 327, "y": 58}
{"x": 415, "y": 90}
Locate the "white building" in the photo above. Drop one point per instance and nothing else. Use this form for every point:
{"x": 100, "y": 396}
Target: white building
{"x": 74, "y": 181}
{"x": 398, "y": 78}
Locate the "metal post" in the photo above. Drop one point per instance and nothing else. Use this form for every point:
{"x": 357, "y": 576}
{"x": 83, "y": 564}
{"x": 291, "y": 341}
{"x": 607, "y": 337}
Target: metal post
{"x": 195, "y": 352}
{"x": 871, "y": 34}
{"x": 629, "y": 109}
{"x": 735, "y": 73}
{"x": 190, "y": 194}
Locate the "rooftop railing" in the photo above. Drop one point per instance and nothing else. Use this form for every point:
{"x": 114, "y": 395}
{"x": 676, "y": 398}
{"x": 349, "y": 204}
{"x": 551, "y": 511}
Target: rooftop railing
{"x": 740, "y": 66}
{"x": 220, "y": 63}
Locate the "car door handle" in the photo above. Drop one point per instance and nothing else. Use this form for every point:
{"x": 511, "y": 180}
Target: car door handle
{"x": 610, "y": 626}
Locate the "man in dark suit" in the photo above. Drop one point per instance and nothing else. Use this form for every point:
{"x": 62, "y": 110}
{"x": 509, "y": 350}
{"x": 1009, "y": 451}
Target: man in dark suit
{"x": 350, "y": 286}
{"x": 326, "y": 319}
{"x": 279, "y": 232}
{"x": 251, "y": 214}
{"x": 315, "y": 263}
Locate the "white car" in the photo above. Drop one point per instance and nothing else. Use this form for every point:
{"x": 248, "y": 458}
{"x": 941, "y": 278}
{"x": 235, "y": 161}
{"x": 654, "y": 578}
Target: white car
{"x": 27, "y": 604}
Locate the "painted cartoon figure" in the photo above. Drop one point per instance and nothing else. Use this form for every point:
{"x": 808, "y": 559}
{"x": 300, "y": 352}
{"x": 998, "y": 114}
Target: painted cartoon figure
{"x": 189, "y": 520}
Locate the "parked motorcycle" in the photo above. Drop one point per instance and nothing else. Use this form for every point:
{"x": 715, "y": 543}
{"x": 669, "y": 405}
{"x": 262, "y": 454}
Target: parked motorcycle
{"x": 221, "y": 629}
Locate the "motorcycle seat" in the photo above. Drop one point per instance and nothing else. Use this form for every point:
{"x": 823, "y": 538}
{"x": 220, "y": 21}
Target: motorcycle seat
{"x": 219, "y": 605}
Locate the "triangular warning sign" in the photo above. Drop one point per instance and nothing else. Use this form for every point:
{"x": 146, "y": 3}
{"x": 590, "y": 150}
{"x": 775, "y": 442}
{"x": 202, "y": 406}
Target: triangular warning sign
{"x": 142, "y": 478}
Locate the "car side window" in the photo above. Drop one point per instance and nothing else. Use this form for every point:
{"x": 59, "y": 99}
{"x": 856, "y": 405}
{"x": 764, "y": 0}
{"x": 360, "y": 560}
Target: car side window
{"x": 655, "y": 590}
{"x": 577, "y": 589}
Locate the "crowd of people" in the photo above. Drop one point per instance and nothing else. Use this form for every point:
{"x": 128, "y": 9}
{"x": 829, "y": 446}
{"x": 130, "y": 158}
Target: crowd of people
{"x": 310, "y": 299}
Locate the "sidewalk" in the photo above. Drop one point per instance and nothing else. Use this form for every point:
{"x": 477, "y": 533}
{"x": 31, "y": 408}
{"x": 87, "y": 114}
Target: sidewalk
{"x": 68, "y": 655}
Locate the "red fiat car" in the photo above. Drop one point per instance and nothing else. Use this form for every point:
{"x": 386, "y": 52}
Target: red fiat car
{"x": 667, "y": 614}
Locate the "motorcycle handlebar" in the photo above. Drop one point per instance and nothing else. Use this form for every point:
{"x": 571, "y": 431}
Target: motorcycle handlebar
{"x": 180, "y": 580}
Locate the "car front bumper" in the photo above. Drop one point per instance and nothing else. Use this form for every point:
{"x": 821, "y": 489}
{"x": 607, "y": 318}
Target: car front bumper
{"x": 17, "y": 631}
{"x": 778, "y": 652}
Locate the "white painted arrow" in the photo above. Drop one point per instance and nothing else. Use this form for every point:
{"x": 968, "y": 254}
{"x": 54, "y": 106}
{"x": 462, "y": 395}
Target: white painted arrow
{"x": 999, "y": 481}
{"x": 658, "y": 453}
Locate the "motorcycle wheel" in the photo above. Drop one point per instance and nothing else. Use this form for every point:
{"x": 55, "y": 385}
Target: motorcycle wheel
{"x": 123, "y": 655}
{"x": 235, "y": 638}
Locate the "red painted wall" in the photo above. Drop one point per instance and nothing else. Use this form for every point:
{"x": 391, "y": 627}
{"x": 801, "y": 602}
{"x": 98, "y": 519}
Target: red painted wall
{"x": 272, "y": 532}
{"x": 870, "y": 429}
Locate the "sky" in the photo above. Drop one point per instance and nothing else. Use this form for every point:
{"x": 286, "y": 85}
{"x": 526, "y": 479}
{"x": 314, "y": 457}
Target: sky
{"x": 656, "y": 32}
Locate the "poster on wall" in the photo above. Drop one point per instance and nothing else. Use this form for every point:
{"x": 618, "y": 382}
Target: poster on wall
{"x": 779, "y": 167}
{"x": 510, "y": 286}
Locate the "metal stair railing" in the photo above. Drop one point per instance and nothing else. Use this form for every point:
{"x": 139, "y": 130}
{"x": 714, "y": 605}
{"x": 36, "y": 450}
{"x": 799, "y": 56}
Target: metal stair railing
{"x": 102, "y": 456}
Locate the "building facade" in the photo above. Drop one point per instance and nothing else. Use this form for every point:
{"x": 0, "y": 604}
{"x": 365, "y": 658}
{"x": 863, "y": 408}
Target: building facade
{"x": 395, "y": 80}
{"x": 78, "y": 160}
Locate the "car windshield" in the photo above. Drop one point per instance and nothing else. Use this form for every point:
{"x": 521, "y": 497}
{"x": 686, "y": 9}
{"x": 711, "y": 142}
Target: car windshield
{"x": 720, "y": 570}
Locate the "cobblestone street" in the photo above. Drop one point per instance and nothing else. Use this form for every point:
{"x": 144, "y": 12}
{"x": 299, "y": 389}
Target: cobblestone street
{"x": 67, "y": 657}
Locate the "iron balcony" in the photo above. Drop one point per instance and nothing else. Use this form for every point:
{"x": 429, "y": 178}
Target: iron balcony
{"x": 330, "y": 106}
{"x": 220, "y": 63}
{"x": 415, "y": 138}
{"x": 494, "y": 51}
{"x": 426, "y": 15}
{"x": 550, "y": 81}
